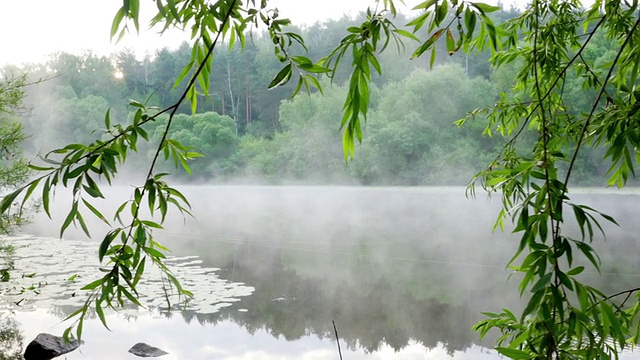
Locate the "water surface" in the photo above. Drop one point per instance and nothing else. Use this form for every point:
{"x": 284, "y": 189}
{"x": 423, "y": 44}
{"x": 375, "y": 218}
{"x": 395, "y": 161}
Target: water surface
{"x": 404, "y": 273}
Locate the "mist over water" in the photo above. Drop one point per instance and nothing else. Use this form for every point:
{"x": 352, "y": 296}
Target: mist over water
{"x": 402, "y": 271}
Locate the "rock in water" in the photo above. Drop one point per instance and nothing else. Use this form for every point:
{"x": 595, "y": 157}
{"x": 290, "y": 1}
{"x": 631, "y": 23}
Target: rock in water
{"x": 47, "y": 346}
{"x": 144, "y": 350}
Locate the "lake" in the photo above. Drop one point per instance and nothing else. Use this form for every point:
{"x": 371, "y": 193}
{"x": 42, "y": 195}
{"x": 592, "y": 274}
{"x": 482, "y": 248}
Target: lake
{"x": 403, "y": 272}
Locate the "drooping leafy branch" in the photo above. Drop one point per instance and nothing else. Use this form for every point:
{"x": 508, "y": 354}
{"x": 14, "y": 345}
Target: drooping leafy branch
{"x": 129, "y": 246}
{"x": 564, "y": 318}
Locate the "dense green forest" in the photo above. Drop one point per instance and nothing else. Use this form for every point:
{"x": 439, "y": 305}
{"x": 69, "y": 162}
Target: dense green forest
{"x": 249, "y": 134}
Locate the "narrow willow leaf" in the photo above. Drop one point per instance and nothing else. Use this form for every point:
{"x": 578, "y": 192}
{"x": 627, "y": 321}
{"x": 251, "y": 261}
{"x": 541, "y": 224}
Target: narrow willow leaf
{"x": 46, "y": 197}
{"x": 151, "y": 224}
{"x": 82, "y": 223}
{"x": 451, "y": 45}
{"x": 441, "y": 12}
{"x": 70, "y": 217}
{"x": 92, "y": 188}
{"x": 139, "y": 271}
{"x": 470, "y": 22}
{"x": 185, "y": 71}
{"x": 106, "y": 242}
{"x": 564, "y": 279}
{"x": 115, "y": 25}
{"x": 95, "y": 211}
{"x": 131, "y": 298}
{"x": 406, "y": 34}
{"x": 39, "y": 168}
{"x": 100, "y": 312}
{"x": 542, "y": 283}
{"x": 514, "y": 353}
{"x": 154, "y": 253}
{"x": 425, "y": 5}
{"x": 174, "y": 192}
{"x": 281, "y": 78}
{"x": 91, "y": 286}
{"x": 66, "y": 335}
{"x": 374, "y": 62}
{"x": 81, "y": 324}
{"x": 8, "y": 199}
{"x": 485, "y": 8}
{"x": 32, "y": 187}
{"x": 107, "y": 119}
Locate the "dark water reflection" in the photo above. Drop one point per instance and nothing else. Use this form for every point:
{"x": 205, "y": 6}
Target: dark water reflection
{"x": 404, "y": 273}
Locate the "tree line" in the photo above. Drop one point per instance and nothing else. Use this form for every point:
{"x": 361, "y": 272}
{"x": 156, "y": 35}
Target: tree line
{"x": 248, "y": 134}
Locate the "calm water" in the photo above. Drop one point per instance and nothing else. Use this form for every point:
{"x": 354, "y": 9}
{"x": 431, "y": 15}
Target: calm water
{"x": 404, "y": 273}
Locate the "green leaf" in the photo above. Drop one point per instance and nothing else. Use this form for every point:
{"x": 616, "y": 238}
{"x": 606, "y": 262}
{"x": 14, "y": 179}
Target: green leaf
{"x": 485, "y": 8}
{"x": 514, "y": 353}
{"x": 66, "y": 335}
{"x": 425, "y": 5}
{"x": 8, "y": 199}
{"x": 154, "y": 253}
{"x": 575, "y": 271}
{"x": 441, "y": 12}
{"x": 427, "y": 44}
{"x": 589, "y": 253}
{"x": 92, "y": 188}
{"x": 406, "y": 33}
{"x": 107, "y": 119}
{"x": 93, "y": 285}
{"x": 95, "y": 211}
{"x": 374, "y": 62}
{"x": 151, "y": 224}
{"x": 70, "y": 217}
{"x": 100, "y": 312}
{"x": 139, "y": 271}
{"x": 131, "y": 298}
{"x": 564, "y": 279}
{"x": 470, "y": 22}
{"x": 185, "y": 71}
{"x": 82, "y": 223}
{"x": 282, "y": 77}
{"x": 45, "y": 197}
{"x": 30, "y": 190}
{"x": 542, "y": 283}
{"x": 106, "y": 242}
{"x": 116, "y": 22}
{"x": 451, "y": 46}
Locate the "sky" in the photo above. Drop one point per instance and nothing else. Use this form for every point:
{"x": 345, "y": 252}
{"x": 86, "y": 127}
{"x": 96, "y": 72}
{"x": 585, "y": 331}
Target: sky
{"x": 32, "y": 29}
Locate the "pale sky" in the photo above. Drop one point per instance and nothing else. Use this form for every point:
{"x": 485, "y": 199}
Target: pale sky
{"x": 32, "y": 29}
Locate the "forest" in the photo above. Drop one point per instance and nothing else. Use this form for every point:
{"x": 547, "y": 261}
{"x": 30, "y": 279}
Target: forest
{"x": 248, "y": 134}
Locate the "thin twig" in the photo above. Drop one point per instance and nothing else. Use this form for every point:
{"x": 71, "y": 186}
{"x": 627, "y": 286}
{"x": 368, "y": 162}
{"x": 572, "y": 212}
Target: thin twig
{"x": 550, "y": 90}
{"x": 595, "y": 104}
{"x": 608, "y": 298}
{"x": 335, "y": 330}
{"x": 175, "y": 106}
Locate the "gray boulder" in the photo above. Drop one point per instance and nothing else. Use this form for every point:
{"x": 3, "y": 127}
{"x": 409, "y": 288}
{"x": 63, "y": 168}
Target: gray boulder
{"x": 144, "y": 350}
{"x": 47, "y": 346}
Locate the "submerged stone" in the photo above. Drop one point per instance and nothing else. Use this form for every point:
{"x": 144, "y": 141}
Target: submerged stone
{"x": 47, "y": 346}
{"x": 144, "y": 350}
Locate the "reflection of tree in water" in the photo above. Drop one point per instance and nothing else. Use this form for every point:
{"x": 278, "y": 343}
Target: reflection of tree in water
{"x": 371, "y": 306}
{"x": 379, "y": 283}
{"x": 11, "y": 339}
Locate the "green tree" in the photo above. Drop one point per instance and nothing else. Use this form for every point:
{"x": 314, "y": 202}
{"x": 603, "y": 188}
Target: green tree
{"x": 13, "y": 167}
{"x": 210, "y": 134}
{"x": 412, "y": 131}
